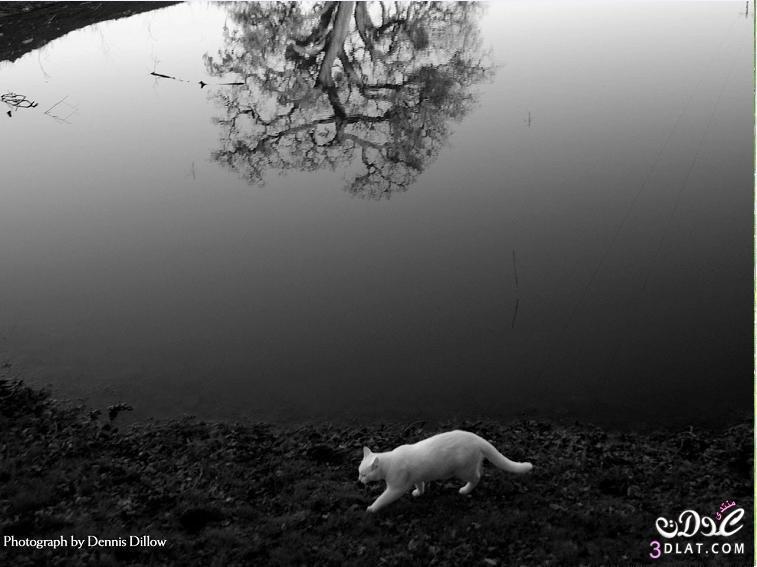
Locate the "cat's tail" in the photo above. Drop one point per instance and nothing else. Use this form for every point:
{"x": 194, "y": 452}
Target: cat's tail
{"x": 499, "y": 460}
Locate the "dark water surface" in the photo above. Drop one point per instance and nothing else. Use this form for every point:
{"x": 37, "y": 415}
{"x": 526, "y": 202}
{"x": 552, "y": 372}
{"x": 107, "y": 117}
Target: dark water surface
{"x": 561, "y": 227}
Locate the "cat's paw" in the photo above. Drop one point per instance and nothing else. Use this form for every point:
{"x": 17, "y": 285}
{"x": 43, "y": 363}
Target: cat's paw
{"x": 416, "y": 493}
{"x": 370, "y": 509}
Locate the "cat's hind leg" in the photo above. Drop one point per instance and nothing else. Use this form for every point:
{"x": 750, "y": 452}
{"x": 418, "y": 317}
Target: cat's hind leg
{"x": 420, "y": 488}
{"x": 387, "y": 497}
{"x": 472, "y": 479}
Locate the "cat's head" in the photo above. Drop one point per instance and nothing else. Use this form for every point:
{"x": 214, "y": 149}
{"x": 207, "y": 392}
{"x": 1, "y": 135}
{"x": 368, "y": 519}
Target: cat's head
{"x": 369, "y": 467}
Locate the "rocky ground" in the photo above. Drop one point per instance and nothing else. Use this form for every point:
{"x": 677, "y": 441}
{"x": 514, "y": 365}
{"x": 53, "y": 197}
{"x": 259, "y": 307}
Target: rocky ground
{"x": 258, "y": 494}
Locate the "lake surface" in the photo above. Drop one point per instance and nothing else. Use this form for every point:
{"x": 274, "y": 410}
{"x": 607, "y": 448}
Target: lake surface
{"x": 554, "y": 219}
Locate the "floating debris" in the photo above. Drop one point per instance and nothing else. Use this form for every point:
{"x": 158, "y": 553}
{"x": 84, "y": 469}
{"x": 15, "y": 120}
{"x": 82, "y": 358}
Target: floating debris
{"x": 64, "y": 110}
{"x": 16, "y": 101}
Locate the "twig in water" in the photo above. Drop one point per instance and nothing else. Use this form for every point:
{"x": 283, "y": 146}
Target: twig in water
{"x": 515, "y": 269}
{"x": 163, "y": 76}
{"x": 56, "y": 104}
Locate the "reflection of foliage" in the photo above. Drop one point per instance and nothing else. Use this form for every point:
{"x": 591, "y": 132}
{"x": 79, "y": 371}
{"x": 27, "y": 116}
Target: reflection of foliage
{"x": 328, "y": 84}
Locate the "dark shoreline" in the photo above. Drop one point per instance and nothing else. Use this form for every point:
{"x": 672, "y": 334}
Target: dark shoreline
{"x": 232, "y": 494}
{"x": 26, "y": 26}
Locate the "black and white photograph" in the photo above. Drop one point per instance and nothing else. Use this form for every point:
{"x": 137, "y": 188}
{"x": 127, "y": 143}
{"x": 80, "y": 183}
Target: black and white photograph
{"x": 377, "y": 283}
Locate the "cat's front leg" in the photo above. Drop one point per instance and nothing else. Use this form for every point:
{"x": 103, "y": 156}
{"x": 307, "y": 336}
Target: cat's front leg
{"x": 387, "y": 497}
{"x": 420, "y": 488}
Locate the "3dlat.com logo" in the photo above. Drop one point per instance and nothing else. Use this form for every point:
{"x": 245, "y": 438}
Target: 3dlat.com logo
{"x": 726, "y": 523}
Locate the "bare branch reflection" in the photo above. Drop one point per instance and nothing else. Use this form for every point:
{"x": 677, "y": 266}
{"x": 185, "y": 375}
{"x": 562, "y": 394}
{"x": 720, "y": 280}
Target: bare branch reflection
{"x": 367, "y": 86}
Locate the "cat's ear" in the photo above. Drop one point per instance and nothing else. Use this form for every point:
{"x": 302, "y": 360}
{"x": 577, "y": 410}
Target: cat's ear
{"x": 366, "y": 452}
{"x": 374, "y": 464}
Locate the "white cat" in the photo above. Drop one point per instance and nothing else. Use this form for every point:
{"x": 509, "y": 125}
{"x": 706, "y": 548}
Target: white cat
{"x": 451, "y": 454}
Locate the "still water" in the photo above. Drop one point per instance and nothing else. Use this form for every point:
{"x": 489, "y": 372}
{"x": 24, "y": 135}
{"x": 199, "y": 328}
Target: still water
{"x": 518, "y": 209}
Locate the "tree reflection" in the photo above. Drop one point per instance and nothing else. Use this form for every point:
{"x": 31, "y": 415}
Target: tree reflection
{"x": 371, "y": 85}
